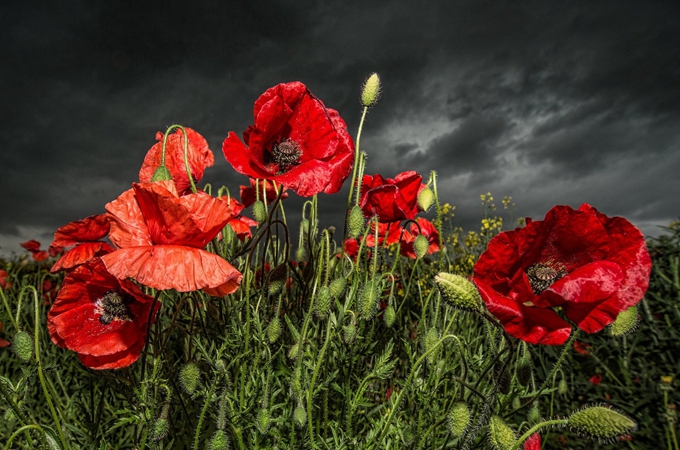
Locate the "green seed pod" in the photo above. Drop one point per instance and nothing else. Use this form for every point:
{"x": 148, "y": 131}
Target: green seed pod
{"x": 562, "y": 386}
{"x": 355, "y": 222}
{"x": 294, "y": 351}
{"x": 322, "y": 303}
{"x": 420, "y": 246}
{"x": 263, "y": 420}
{"x": 370, "y": 93}
{"x": 259, "y": 212}
{"x": 458, "y": 292}
{"x": 431, "y": 339}
{"x": 22, "y": 344}
{"x": 277, "y": 278}
{"x": 274, "y": 330}
{"x": 425, "y": 199}
{"x": 458, "y": 419}
{"x": 160, "y": 429}
{"x": 337, "y": 287}
{"x": 534, "y": 415}
{"x": 389, "y": 316}
{"x": 626, "y": 322}
{"x": 349, "y": 333}
{"x": 368, "y": 301}
{"x": 161, "y": 174}
{"x": 524, "y": 370}
{"x": 219, "y": 441}
{"x": 600, "y": 422}
{"x": 501, "y": 435}
{"x": 189, "y": 377}
{"x": 300, "y": 416}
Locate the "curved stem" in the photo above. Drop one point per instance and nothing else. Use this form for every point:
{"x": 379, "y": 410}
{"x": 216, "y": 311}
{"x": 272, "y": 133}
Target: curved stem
{"x": 535, "y": 428}
{"x": 9, "y": 310}
{"x": 354, "y": 170}
{"x": 25, "y": 428}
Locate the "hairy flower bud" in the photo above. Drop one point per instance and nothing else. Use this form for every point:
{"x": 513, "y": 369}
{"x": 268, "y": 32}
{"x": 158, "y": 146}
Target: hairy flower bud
{"x": 219, "y": 441}
{"x": 294, "y": 351}
{"x": 259, "y": 212}
{"x": 337, "y": 287}
{"x": 349, "y": 333}
{"x": 189, "y": 377}
{"x": 22, "y": 344}
{"x": 301, "y": 254}
{"x": 431, "y": 339}
{"x": 458, "y": 292}
{"x": 420, "y": 246}
{"x": 534, "y": 415}
{"x": 300, "y": 416}
{"x": 274, "y": 330}
{"x": 369, "y": 299}
{"x": 263, "y": 420}
{"x": 458, "y": 419}
{"x": 524, "y": 370}
{"x": 161, "y": 174}
{"x": 562, "y": 386}
{"x": 370, "y": 93}
{"x": 425, "y": 199}
{"x": 277, "y": 278}
{"x": 626, "y": 322}
{"x": 600, "y": 422}
{"x": 501, "y": 435}
{"x": 322, "y": 303}
{"x": 160, "y": 429}
{"x": 389, "y": 316}
{"x": 355, "y": 222}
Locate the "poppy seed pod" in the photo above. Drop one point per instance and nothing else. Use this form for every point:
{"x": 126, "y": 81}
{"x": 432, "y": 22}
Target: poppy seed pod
{"x": 219, "y": 441}
{"x": 600, "y": 422}
{"x": 501, "y": 435}
{"x": 626, "y": 322}
{"x": 458, "y": 292}
{"x": 22, "y": 345}
{"x": 355, "y": 222}
{"x": 425, "y": 199}
{"x": 189, "y": 377}
{"x": 370, "y": 93}
{"x": 458, "y": 419}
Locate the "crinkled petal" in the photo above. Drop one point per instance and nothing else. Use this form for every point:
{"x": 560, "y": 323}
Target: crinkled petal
{"x": 81, "y": 254}
{"x": 115, "y": 360}
{"x": 184, "y": 269}
{"x": 92, "y": 228}
{"x": 128, "y": 228}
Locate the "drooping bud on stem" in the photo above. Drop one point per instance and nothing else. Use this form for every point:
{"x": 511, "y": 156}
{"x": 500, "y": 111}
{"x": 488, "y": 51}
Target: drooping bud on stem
{"x": 355, "y": 222}
{"x": 458, "y": 292}
{"x": 600, "y": 422}
{"x": 501, "y": 435}
{"x": 425, "y": 199}
{"x": 189, "y": 377}
{"x": 389, "y": 316}
{"x": 22, "y": 345}
{"x": 458, "y": 419}
{"x": 626, "y": 322}
{"x": 274, "y": 330}
{"x": 259, "y": 212}
{"x": 420, "y": 246}
{"x": 370, "y": 93}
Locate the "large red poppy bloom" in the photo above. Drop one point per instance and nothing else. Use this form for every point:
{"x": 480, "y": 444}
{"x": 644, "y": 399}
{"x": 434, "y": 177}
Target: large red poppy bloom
{"x": 198, "y": 155}
{"x": 85, "y": 234}
{"x": 160, "y": 238}
{"x": 427, "y": 229}
{"x": 295, "y": 141}
{"x": 388, "y": 233}
{"x": 590, "y": 265}
{"x": 103, "y": 319}
{"x": 390, "y": 199}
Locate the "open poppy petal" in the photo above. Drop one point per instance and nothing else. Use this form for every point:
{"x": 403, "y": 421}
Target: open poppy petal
{"x": 128, "y": 228}
{"x": 81, "y": 254}
{"x": 92, "y": 228}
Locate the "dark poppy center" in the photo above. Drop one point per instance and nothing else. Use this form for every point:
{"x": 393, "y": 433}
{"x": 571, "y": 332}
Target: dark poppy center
{"x": 113, "y": 307}
{"x": 285, "y": 154}
{"x": 543, "y": 275}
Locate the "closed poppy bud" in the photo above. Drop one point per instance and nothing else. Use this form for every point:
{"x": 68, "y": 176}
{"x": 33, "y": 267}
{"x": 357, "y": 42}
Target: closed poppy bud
{"x": 160, "y": 429}
{"x": 300, "y": 416}
{"x": 337, "y": 287}
{"x": 219, "y": 441}
{"x": 301, "y": 254}
{"x": 431, "y": 339}
{"x": 349, "y": 332}
{"x": 420, "y": 246}
{"x": 458, "y": 292}
{"x": 355, "y": 222}
{"x": 503, "y": 379}
{"x": 389, "y": 316}
{"x": 600, "y": 422}
{"x": 189, "y": 377}
{"x": 274, "y": 330}
{"x": 22, "y": 344}
{"x": 263, "y": 420}
{"x": 371, "y": 91}
{"x": 368, "y": 301}
{"x": 259, "y": 212}
{"x": 161, "y": 174}
{"x": 296, "y": 390}
{"x": 626, "y": 322}
{"x": 425, "y": 199}
{"x": 458, "y": 419}
{"x": 534, "y": 414}
{"x": 294, "y": 351}
{"x": 524, "y": 370}
{"x": 322, "y": 304}
{"x": 501, "y": 435}
{"x": 562, "y": 387}
{"x": 277, "y": 279}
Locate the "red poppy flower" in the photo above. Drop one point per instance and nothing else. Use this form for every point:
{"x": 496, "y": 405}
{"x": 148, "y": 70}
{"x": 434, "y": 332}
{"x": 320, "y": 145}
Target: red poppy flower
{"x": 427, "y": 229}
{"x": 266, "y": 188}
{"x": 533, "y": 442}
{"x": 590, "y": 265}
{"x": 596, "y": 379}
{"x": 85, "y": 234}
{"x": 388, "y": 233}
{"x": 49, "y": 291}
{"x": 160, "y": 238}
{"x": 4, "y": 280}
{"x": 199, "y": 157}
{"x": 33, "y": 246}
{"x": 3, "y": 343}
{"x": 101, "y": 318}
{"x": 390, "y": 199}
{"x": 295, "y": 141}
{"x": 581, "y": 348}
{"x": 352, "y": 249}
{"x": 240, "y": 224}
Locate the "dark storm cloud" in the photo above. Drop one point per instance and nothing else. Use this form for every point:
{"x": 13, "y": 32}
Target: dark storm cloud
{"x": 546, "y": 102}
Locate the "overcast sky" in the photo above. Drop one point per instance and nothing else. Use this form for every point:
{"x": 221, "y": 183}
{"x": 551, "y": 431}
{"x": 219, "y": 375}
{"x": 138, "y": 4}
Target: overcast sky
{"x": 547, "y": 102}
